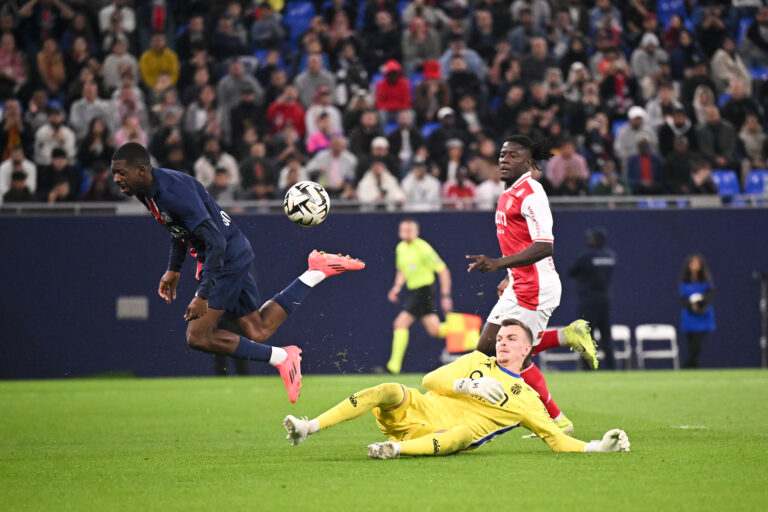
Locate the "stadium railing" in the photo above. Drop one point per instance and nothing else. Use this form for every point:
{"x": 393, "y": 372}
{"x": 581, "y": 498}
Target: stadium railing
{"x": 275, "y": 206}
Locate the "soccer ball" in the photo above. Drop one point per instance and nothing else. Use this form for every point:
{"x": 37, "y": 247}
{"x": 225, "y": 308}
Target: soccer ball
{"x": 306, "y": 203}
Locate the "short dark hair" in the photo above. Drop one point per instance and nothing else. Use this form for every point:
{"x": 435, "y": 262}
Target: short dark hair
{"x": 58, "y": 153}
{"x": 133, "y": 153}
{"x": 514, "y": 321}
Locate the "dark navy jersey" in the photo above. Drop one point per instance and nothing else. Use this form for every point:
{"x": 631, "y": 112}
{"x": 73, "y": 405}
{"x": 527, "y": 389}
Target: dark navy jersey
{"x": 181, "y": 204}
{"x": 593, "y": 271}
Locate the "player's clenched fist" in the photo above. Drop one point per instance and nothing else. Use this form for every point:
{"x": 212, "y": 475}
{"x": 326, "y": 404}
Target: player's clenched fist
{"x": 484, "y": 387}
{"x": 167, "y": 287}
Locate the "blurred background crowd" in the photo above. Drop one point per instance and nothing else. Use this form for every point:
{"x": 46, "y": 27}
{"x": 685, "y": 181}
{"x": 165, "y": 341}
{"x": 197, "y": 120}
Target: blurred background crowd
{"x": 377, "y": 100}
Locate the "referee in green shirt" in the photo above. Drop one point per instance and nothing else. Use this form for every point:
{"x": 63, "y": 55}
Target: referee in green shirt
{"x": 417, "y": 263}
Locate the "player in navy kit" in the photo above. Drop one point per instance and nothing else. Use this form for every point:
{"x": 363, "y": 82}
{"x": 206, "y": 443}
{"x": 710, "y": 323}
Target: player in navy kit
{"x": 181, "y": 204}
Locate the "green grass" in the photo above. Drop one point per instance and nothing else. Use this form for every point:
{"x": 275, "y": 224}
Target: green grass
{"x": 203, "y": 444}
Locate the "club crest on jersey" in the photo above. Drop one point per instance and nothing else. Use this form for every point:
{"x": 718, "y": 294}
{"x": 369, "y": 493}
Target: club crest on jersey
{"x": 509, "y": 204}
{"x": 165, "y": 217}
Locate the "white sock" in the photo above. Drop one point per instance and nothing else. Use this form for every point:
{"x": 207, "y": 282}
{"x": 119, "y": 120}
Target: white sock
{"x": 561, "y": 337}
{"x": 314, "y": 426}
{"x": 278, "y": 356}
{"x": 558, "y": 417}
{"x": 311, "y": 277}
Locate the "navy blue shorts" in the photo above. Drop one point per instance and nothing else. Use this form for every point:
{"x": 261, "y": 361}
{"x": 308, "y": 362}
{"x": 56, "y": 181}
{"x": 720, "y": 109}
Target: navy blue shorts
{"x": 236, "y": 292}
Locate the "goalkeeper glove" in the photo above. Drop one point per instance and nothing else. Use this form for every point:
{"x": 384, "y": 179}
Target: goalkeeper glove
{"x": 484, "y": 387}
{"x": 615, "y": 440}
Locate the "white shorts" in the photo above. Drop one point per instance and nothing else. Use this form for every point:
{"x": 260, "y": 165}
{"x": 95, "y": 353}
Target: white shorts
{"x": 536, "y": 320}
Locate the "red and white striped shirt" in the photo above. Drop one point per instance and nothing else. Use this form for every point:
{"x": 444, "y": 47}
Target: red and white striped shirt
{"x": 523, "y": 217}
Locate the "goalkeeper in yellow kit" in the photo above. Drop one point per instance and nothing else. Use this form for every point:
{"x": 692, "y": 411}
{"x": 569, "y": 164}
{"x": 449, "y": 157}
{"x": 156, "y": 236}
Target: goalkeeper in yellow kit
{"x": 469, "y": 402}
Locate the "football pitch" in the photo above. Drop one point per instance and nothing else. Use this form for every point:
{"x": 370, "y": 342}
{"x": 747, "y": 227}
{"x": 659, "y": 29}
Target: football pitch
{"x": 699, "y": 442}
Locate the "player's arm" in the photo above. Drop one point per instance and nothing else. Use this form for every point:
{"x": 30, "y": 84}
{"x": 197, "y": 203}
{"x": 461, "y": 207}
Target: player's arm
{"x": 169, "y": 281}
{"x": 444, "y": 277}
{"x": 396, "y": 287}
{"x": 538, "y": 421}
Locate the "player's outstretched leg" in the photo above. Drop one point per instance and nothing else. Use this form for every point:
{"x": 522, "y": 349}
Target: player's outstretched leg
{"x": 385, "y": 396}
{"x": 533, "y": 377}
{"x": 577, "y": 335}
{"x": 438, "y": 443}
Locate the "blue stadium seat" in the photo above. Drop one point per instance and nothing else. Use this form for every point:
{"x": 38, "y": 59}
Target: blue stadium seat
{"x": 665, "y": 9}
{"x": 401, "y": 7}
{"x": 389, "y": 128}
{"x": 617, "y": 126}
{"x": 723, "y": 99}
{"x": 759, "y": 72}
{"x": 756, "y": 182}
{"x": 296, "y": 17}
{"x": 743, "y": 26}
{"x": 727, "y": 182}
{"x": 652, "y": 203}
{"x": 361, "y": 14}
{"x": 428, "y": 128}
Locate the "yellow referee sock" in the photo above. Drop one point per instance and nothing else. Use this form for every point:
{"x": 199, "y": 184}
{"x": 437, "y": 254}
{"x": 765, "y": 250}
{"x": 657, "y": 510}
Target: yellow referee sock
{"x": 443, "y": 443}
{"x": 399, "y": 344}
{"x": 384, "y": 395}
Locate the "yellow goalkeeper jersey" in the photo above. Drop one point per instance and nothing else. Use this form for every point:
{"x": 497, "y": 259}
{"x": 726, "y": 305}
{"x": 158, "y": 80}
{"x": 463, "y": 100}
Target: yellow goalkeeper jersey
{"x": 521, "y": 406}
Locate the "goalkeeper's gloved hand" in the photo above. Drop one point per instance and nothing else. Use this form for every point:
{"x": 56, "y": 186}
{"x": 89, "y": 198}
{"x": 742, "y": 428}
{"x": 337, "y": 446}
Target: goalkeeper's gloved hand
{"x": 615, "y": 440}
{"x": 484, "y": 387}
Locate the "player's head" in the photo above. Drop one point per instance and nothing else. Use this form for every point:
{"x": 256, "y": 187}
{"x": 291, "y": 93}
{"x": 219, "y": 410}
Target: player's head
{"x": 409, "y": 230}
{"x": 132, "y": 169}
{"x": 596, "y": 237}
{"x": 519, "y": 155}
{"x": 514, "y": 342}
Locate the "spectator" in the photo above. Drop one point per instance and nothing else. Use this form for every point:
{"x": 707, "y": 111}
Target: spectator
{"x": 459, "y": 187}
{"x": 599, "y": 140}
{"x": 506, "y": 114}
{"x": 431, "y": 95}
{"x": 383, "y": 44}
{"x": 360, "y": 138}
{"x": 573, "y": 184}
{"x": 228, "y": 41}
{"x": 393, "y": 93}
{"x": 526, "y": 30}
{"x": 536, "y": 63}
{"x": 200, "y": 112}
{"x": 422, "y": 190}
{"x": 158, "y": 59}
{"x": 176, "y": 159}
{"x": 461, "y": 81}
{"x": 335, "y": 168}
{"x": 647, "y": 58}
{"x": 379, "y": 150}
{"x": 292, "y": 173}
{"x": 701, "y": 179}
{"x": 13, "y": 130}
{"x": 753, "y": 143}
{"x": 50, "y": 67}
{"x": 80, "y": 57}
{"x": 405, "y": 139}
{"x": 696, "y": 76}
{"x": 436, "y": 142}
{"x": 618, "y": 90}
{"x": 247, "y": 113}
{"x": 58, "y": 181}
{"x": 711, "y": 30}
{"x": 678, "y": 126}
{"x": 420, "y": 44}
{"x": 321, "y": 139}
{"x": 434, "y": 17}
{"x": 222, "y": 188}
{"x": 15, "y": 163}
{"x": 717, "y": 140}
{"x": 18, "y": 191}
{"x": 36, "y": 114}
{"x": 321, "y": 104}
{"x": 313, "y": 78}
{"x": 727, "y": 65}
{"x": 13, "y": 73}
{"x": 676, "y": 171}
{"x": 96, "y": 145}
{"x": 192, "y": 37}
{"x": 644, "y": 169}
{"x": 213, "y": 158}
{"x": 452, "y": 161}
{"x": 119, "y": 9}
{"x": 286, "y": 108}
{"x": 114, "y": 32}
{"x": 230, "y": 87}
{"x": 626, "y": 143}
{"x": 543, "y": 106}
{"x": 88, "y": 108}
{"x": 44, "y": 19}
{"x": 576, "y": 54}
{"x": 278, "y": 80}
{"x": 128, "y": 104}
{"x": 131, "y": 131}
{"x": 684, "y": 54}
{"x": 54, "y": 134}
{"x": 257, "y": 174}
{"x": 285, "y": 144}
{"x": 378, "y": 184}
{"x": 565, "y": 158}
{"x": 80, "y": 27}
{"x": 659, "y": 109}
{"x": 483, "y": 37}
{"x": 610, "y": 183}
{"x": 740, "y": 104}
{"x": 603, "y": 13}
{"x": 458, "y": 47}
{"x": 267, "y": 30}
{"x": 100, "y": 188}
{"x": 754, "y": 46}
{"x": 698, "y": 316}
{"x": 117, "y": 63}
{"x": 488, "y": 191}
{"x": 703, "y": 99}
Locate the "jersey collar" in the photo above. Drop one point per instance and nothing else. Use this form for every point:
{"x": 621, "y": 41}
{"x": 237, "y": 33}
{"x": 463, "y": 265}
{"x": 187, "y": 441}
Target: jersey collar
{"x": 508, "y": 372}
{"x": 521, "y": 179}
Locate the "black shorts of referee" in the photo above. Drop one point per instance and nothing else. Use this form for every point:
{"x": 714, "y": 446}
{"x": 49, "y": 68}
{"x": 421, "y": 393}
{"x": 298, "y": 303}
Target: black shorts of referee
{"x": 420, "y": 301}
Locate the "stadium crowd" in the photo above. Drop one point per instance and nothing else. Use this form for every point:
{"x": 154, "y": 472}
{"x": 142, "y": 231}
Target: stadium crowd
{"x": 381, "y": 100}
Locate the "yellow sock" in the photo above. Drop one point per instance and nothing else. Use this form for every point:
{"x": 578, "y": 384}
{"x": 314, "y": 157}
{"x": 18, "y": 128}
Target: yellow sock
{"x": 443, "y": 331}
{"x": 443, "y": 443}
{"x": 384, "y": 395}
{"x": 399, "y": 344}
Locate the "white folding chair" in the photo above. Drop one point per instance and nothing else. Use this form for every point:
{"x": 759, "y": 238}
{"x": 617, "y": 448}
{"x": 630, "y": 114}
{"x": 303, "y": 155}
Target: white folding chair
{"x": 558, "y": 355}
{"x": 621, "y": 335}
{"x": 647, "y": 335}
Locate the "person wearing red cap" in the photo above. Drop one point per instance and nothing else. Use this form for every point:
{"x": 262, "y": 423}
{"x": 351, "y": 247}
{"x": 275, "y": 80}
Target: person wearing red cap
{"x": 433, "y": 87}
{"x": 393, "y": 94}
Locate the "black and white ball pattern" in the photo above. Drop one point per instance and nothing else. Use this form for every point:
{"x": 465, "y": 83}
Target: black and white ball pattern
{"x": 307, "y": 203}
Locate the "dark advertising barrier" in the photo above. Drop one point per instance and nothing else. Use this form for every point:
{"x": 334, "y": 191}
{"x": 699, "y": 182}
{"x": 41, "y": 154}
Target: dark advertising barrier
{"x": 62, "y": 278}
